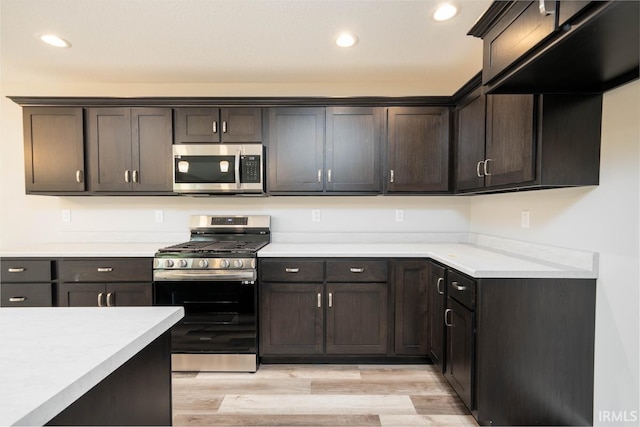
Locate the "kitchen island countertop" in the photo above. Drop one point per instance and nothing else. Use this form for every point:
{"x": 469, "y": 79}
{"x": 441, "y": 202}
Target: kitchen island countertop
{"x": 52, "y": 356}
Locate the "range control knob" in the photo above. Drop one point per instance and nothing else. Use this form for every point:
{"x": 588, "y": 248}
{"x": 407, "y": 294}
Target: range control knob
{"x": 203, "y": 263}
{"x": 224, "y": 263}
{"x": 182, "y": 263}
{"x": 237, "y": 263}
{"x": 168, "y": 263}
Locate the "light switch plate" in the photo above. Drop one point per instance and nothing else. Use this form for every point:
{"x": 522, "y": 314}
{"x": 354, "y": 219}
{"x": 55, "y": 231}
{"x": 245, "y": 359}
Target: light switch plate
{"x": 159, "y": 215}
{"x": 66, "y": 215}
{"x": 399, "y": 215}
{"x": 525, "y": 219}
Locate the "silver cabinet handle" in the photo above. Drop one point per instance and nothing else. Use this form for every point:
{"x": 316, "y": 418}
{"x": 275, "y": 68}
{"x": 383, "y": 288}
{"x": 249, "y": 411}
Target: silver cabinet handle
{"x": 16, "y": 270}
{"x": 478, "y": 170}
{"x": 356, "y": 270}
{"x": 319, "y": 175}
{"x": 78, "y": 176}
{"x": 105, "y": 269}
{"x": 447, "y": 311}
{"x": 329, "y": 175}
{"x": 458, "y": 287}
{"x": 109, "y": 299}
{"x": 127, "y": 176}
{"x": 292, "y": 270}
{"x": 330, "y": 300}
{"x": 17, "y": 299}
{"x": 135, "y": 176}
{"x": 100, "y": 300}
{"x": 392, "y": 175}
{"x": 486, "y": 171}
{"x": 319, "y": 300}
{"x": 214, "y": 127}
{"x": 224, "y": 126}
{"x": 543, "y": 9}
{"x": 440, "y": 281}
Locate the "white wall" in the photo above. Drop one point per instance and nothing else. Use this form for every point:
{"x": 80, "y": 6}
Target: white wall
{"x": 603, "y": 219}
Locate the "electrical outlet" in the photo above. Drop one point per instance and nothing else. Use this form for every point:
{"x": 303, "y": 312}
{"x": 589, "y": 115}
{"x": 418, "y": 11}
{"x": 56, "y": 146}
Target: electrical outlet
{"x": 399, "y": 215}
{"x": 525, "y": 219}
{"x": 315, "y": 215}
{"x": 66, "y": 215}
{"x": 159, "y": 215}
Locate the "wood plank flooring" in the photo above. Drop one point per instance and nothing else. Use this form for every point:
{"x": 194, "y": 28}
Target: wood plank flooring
{"x": 318, "y": 395}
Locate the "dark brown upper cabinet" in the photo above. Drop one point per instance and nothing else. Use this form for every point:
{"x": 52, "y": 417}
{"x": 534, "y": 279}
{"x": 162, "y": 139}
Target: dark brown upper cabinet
{"x": 418, "y": 150}
{"x": 129, "y": 149}
{"x": 53, "y": 149}
{"x": 301, "y": 161}
{"x": 559, "y": 46}
{"x": 218, "y": 125}
{"x": 507, "y": 142}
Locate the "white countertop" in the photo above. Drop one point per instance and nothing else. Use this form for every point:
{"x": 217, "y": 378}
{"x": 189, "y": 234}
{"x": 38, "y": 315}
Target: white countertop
{"x": 49, "y": 357}
{"x": 470, "y": 259}
{"x": 112, "y": 249}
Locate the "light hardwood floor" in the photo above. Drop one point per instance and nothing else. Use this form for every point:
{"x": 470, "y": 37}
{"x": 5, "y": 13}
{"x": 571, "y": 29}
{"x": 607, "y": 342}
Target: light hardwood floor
{"x": 318, "y": 395}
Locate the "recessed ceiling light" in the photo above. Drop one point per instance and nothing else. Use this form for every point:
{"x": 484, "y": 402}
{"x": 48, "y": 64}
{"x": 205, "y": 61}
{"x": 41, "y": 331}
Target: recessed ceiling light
{"x": 445, "y": 11}
{"x": 53, "y": 40}
{"x": 346, "y": 40}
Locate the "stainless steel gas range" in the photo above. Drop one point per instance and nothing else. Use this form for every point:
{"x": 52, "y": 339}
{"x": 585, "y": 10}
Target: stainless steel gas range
{"x": 214, "y": 277}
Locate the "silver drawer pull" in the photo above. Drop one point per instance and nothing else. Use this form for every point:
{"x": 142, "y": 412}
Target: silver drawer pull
{"x": 105, "y": 269}
{"x": 292, "y": 270}
{"x": 17, "y": 270}
{"x": 458, "y": 287}
{"x": 17, "y": 299}
{"x": 356, "y": 270}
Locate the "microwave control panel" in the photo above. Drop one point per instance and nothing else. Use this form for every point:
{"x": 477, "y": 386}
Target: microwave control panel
{"x": 250, "y": 169}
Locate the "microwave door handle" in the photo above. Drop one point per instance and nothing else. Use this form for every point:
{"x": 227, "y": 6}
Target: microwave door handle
{"x": 238, "y": 181}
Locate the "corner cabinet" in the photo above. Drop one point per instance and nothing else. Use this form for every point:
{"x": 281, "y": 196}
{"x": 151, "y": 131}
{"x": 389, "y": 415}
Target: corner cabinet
{"x": 418, "y": 150}
{"x": 53, "y": 149}
{"x": 509, "y": 142}
{"x": 104, "y": 282}
{"x": 412, "y": 320}
{"x": 301, "y": 161}
{"x": 305, "y": 311}
{"x": 129, "y": 149}
{"x": 437, "y": 300}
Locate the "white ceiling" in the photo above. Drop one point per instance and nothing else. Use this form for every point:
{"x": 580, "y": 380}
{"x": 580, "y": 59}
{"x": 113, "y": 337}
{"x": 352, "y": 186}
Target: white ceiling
{"x": 240, "y": 42}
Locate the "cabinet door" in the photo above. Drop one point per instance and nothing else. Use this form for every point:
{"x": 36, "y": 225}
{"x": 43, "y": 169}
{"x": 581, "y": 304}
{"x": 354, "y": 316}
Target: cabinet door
{"x": 510, "y": 149}
{"x": 151, "y": 149}
{"x": 109, "y": 148}
{"x": 53, "y": 149}
{"x": 418, "y": 154}
{"x": 291, "y": 318}
{"x": 197, "y": 125}
{"x": 295, "y": 149}
{"x": 356, "y": 318}
{"x": 437, "y": 287}
{"x": 461, "y": 351}
{"x": 470, "y": 143}
{"x": 128, "y": 294}
{"x": 353, "y": 149}
{"x": 241, "y": 124}
{"x": 81, "y": 294}
{"x": 411, "y": 321}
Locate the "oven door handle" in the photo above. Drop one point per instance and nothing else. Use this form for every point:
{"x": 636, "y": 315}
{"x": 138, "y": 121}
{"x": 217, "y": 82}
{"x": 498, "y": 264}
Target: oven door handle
{"x": 237, "y": 170}
{"x": 204, "y": 275}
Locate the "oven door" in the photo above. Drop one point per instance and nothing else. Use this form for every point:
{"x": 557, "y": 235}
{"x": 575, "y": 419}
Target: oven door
{"x": 220, "y": 316}
{"x": 219, "y": 168}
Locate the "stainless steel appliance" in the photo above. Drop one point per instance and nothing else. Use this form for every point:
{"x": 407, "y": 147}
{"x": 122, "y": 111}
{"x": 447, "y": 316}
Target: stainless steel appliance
{"x": 218, "y": 168}
{"x": 214, "y": 277}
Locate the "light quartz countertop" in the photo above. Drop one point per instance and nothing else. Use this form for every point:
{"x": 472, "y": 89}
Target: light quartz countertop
{"x": 112, "y": 249}
{"x": 476, "y": 261}
{"x": 50, "y": 357}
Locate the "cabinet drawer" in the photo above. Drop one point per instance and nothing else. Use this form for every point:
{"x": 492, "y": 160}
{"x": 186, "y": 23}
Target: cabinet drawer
{"x": 17, "y": 270}
{"x": 462, "y": 289}
{"x": 293, "y": 270}
{"x": 26, "y": 295}
{"x": 106, "y": 270}
{"x": 356, "y": 271}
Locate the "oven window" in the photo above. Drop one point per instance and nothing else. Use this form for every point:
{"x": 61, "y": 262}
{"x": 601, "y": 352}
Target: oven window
{"x": 219, "y": 317}
{"x": 205, "y": 169}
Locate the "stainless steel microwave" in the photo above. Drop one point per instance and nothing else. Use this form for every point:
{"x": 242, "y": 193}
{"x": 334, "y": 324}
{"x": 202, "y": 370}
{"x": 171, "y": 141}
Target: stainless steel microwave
{"x": 218, "y": 168}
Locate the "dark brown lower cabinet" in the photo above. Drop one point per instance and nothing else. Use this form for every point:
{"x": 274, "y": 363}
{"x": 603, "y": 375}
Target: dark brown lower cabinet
{"x": 436, "y": 298}
{"x": 412, "y": 323}
{"x": 104, "y": 294}
{"x": 26, "y": 282}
